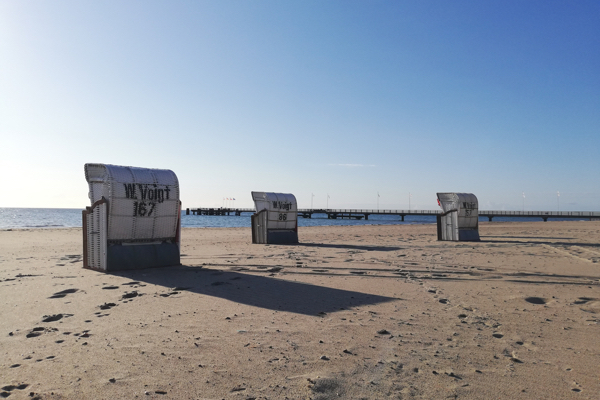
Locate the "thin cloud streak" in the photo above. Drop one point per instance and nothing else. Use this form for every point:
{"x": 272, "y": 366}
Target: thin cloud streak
{"x": 353, "y": 165}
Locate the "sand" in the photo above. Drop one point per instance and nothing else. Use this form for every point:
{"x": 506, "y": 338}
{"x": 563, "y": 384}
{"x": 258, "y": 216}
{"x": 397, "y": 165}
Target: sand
{"x": 370, "y": 312}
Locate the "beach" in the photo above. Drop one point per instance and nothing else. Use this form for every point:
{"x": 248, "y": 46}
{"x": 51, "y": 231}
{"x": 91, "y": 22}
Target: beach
{"x": 352, "y": 312}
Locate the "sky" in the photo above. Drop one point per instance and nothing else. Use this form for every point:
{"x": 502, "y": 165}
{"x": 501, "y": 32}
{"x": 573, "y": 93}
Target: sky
{"x": 345, "y": 104}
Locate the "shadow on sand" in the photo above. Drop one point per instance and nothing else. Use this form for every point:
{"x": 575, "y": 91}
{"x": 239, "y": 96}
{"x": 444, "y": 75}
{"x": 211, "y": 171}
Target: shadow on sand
{"x": 349, "y": 246}
{"x": 258, "y": 291}
{"x": 594, "y": 245}
{"x": 528, "y": 237}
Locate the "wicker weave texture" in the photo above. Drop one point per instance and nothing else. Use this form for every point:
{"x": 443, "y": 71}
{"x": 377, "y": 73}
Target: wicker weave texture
{"x": 467, "y": 206}
{"x": 282, "y": 209}
{"x": 96, "y": 237}
{"x": 143, "y": 203}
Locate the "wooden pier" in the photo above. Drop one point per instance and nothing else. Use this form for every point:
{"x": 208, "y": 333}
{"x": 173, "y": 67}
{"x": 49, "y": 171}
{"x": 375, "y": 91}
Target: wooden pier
{"x": 360, "y": 214}
{"x": 223, "y": 211}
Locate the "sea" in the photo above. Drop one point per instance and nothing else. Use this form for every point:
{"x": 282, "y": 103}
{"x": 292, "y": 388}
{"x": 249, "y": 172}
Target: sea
{"x": 32, "y": 218}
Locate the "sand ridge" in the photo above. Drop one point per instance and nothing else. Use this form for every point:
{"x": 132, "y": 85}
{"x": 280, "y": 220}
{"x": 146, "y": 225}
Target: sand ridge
{"x": 362, "y": 312}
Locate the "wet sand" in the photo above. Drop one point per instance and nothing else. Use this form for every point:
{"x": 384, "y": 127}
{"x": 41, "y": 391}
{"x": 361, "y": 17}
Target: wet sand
{"x": 369, "y": 312}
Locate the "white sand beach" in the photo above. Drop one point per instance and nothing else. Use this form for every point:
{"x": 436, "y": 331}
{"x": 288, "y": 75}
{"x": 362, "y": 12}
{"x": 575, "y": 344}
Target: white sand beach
{"x": 361, "y": 312}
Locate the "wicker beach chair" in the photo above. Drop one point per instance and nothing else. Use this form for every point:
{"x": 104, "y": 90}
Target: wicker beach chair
{"x": 459, "y": 220}
{"x": 134, "y": 220}
{"x": 276, "y": 218}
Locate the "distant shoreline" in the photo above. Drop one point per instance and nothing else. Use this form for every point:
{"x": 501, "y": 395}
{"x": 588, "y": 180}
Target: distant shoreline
{"x": 47, "y": 218}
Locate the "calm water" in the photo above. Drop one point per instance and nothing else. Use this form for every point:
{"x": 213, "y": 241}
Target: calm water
{"x": 39, "y": 218}
{"x": 71, "y": 217}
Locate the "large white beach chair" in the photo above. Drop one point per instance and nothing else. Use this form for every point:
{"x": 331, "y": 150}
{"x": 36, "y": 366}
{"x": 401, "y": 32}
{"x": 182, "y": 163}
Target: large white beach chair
{"x": 134, "y": 220}
{"x": 459, "y": 220}
{"x": 276, "y": 218}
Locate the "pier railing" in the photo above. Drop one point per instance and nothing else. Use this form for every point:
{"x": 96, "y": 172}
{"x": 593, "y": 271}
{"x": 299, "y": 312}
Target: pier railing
{"x": 333, "y": 213}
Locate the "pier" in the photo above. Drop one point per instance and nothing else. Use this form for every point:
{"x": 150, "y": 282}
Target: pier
{"x": 222, "y": 211}
{"x": 360, "y": 214}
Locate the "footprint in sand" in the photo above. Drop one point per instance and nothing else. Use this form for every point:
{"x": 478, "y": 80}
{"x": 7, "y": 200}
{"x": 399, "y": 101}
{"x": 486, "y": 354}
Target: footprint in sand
{"x": 134, "y": 283}
{"x": 60, "y": 295}
{"x": 35, "y": 332}
{"x": 38, "y": 330}
{"x": 327, "y": 387}
{"x": 583, "y": 300}
{"x": 577, "y": 387}
{"x": 55, "y": 317}
{"x": 6, "y": 390}
{"x": 536, "y": 300}
{"x": 130, "y": 295}
{"x": 588, "y": 304}
{"x": 169, "y": 294}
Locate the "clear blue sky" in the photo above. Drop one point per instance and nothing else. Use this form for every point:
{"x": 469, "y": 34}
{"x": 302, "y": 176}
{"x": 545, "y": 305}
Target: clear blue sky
{"x": 341, "y": 98}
